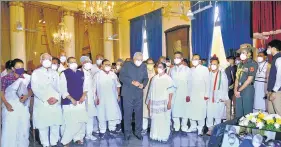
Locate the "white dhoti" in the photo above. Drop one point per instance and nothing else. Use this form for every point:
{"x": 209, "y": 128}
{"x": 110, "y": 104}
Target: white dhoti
{"x": 15, "y": 125}
{"x": 160, "y": 126}
{"x": 111, "y": 125}
{"x": 259, "y": 101}
{"x": 75, "y": 118}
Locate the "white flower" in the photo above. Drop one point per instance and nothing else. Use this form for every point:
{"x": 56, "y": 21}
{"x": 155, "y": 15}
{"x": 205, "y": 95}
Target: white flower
{"x": 242, "y": 119}
{"x": 276, "y": 125}
{"x": 256, "y": 113}
{"x": 246, "y": 122}
{"x": 254, "y": 120}
{"x": 260, "y": 125}
{"x": 268, "y": 117}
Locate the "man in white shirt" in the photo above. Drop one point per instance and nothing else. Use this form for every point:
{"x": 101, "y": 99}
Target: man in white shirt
{"x": 47, "y": 114}
{"x": 199, "y": 94}
{"x": 180, "y": 110}
{"x": 107, "y": 88}
{"x": 74, "y": 91}
{"x": 90, "y": 105}
{"x": 274, "y": 80}
{"x": 63, "y": 64}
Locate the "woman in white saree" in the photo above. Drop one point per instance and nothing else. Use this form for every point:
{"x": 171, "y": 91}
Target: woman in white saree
{"x": 160, "y": 103}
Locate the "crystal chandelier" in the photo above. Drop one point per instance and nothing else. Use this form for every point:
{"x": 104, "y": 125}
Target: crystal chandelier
{"x": 97, "y": 11}
{"x": 62, "y": 36}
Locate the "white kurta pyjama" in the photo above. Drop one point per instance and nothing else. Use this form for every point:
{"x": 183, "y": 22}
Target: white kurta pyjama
{"x": 108, "y": 109}
{"x": 75, "y": 117}
{"x": 199, "y": 88}
{"x": 216, "y": 108}
{"x": 45, "y": 84}
{"x": 15, "y": 124}
{"x": 260, "y": 86}
{"x": 161, "y": 87}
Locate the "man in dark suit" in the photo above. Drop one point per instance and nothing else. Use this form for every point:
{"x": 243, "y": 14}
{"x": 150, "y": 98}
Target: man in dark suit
{"x": 231, "y": 76}
{"x": 134, "y": 77}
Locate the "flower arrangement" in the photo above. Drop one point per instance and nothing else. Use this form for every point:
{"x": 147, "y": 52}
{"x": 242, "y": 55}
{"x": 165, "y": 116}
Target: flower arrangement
{"x": 262, "y": 120}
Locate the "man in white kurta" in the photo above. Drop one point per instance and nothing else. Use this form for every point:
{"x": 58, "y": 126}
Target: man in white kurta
{"x": 90, "y": 104}
{"x": 107, "y": 88}
{"x": 199, "y": 92}
{"x": 261, "y": 83}
{"x": 180, "y": 109}
{"x": 47, "y": 112}
{"x": 74, "y": 91}
{"x": 218, "y": 95}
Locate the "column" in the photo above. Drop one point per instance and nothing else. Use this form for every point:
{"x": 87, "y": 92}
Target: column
{"x": 17, "y": 37}
{"x": 69, "y": 22}
{"x": 108, "y": 44}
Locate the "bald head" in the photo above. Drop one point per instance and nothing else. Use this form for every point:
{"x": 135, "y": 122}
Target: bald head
{"x": 99, "y": 57}
{"x": 45, "y": 56}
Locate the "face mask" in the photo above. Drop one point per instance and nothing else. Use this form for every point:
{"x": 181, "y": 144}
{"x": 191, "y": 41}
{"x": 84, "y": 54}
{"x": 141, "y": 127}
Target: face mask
{"x": 227, "y": 64}
{"x": 195, "y": 62}
{"x": 118, "y": 67}
{"x": 62, "y": 59}
{"x": 177, "y": 61}
{"x": 260, "y": 59}
{"x": 54, "y": 66}
{"x": 138, "y": 63}
{"x": 237, "y": 62}
{"x": 47, "y": 63}
{"x": 150, "y": 66}
{"x": 107, "y": 68}
{"x": 98, "y": 62}
{"x": 73, "y": 66}
{"x": 243, "y": 57}
{"x": 213, "y": 67}
{"x": 19, "y": 71}
{"x": 160, "y": 70}
{"x": 168, "y": 64}
{"x": 87, "y": 66}
{"x": 268, "y": 51}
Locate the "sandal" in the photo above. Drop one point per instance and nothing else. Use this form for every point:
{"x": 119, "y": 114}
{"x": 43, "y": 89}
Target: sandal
{"x": 79, "y": 142}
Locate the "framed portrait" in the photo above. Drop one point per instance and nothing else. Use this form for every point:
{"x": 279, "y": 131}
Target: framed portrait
{"x": 177, "y": 39}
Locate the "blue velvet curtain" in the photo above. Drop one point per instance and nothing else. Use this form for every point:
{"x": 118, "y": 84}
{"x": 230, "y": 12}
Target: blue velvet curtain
{"x": 154, "y": 33}
{"x": 136, "y": 35}
{"x": 202, "y": 30}
{"x": 235, "y": 24}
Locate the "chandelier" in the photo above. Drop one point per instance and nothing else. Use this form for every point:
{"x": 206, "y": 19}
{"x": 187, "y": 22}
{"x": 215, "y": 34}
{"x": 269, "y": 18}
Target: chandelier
{"x": 97, "y": 11}
{"x": 62, "y": 37}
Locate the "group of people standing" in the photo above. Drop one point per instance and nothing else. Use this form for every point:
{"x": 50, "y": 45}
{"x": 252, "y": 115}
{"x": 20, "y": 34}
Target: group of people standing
{"x": 74, "y": 102}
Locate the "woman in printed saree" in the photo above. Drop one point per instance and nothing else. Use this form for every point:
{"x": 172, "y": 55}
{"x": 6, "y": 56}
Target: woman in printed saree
{"x": 160, "y": 103}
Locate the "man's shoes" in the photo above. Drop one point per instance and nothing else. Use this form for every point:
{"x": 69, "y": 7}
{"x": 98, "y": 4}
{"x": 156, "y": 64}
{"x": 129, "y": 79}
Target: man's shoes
{"x": 113, "y": 133}
{"x": 91, "y": 137}
{"x": 102, "y": 135}
{"x": 143, "y": 132}
{"x": 139, "y": 137}
{"x": 118, "y": 128}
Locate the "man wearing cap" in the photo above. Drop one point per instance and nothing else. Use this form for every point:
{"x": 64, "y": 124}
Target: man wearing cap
{"x": 274, "y": 80}
{"x": 244, "y": 84}
{"x": 261, "y": 82}
{"x": 92, "y": 124}
{"x": 231, "y": 76}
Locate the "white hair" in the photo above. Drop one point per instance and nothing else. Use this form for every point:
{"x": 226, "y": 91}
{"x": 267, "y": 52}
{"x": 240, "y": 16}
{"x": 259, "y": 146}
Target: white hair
{"x": 41, "y": 57}
{"x": 137, "y": 54}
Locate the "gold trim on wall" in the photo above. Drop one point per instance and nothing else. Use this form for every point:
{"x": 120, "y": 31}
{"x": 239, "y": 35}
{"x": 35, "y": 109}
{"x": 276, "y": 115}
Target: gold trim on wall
{"x": 68, "y": 13}
{"x": 16, "y": 4}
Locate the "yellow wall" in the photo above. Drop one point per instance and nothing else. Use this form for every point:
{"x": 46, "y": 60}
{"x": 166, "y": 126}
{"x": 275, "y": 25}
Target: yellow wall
{"x": 124, "y": 25}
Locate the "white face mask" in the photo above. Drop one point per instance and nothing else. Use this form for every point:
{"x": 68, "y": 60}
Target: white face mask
{"x": 54, "y": 66}
{"x": 168, "y": 64}
{"x": 160, "y": 70}
{"x": 98, "y": 62}
{"x": 87, "y": 66}
{"x": 62, "y": 59}
{"x": 260, "y": 59}
{"x": 213, "y": 67}
{"x": 46, "y": 63}
{"x": 268, "y": 51}
{"x": 243, "y": 57}
{"x": 138, "y": 63}
{"x": 107, "y": 68}
{"x": 195, "y": 62}
{"x": 177, "y": 61}
{"x": 73, "y": 66}
{"x": 118, "y": 67}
